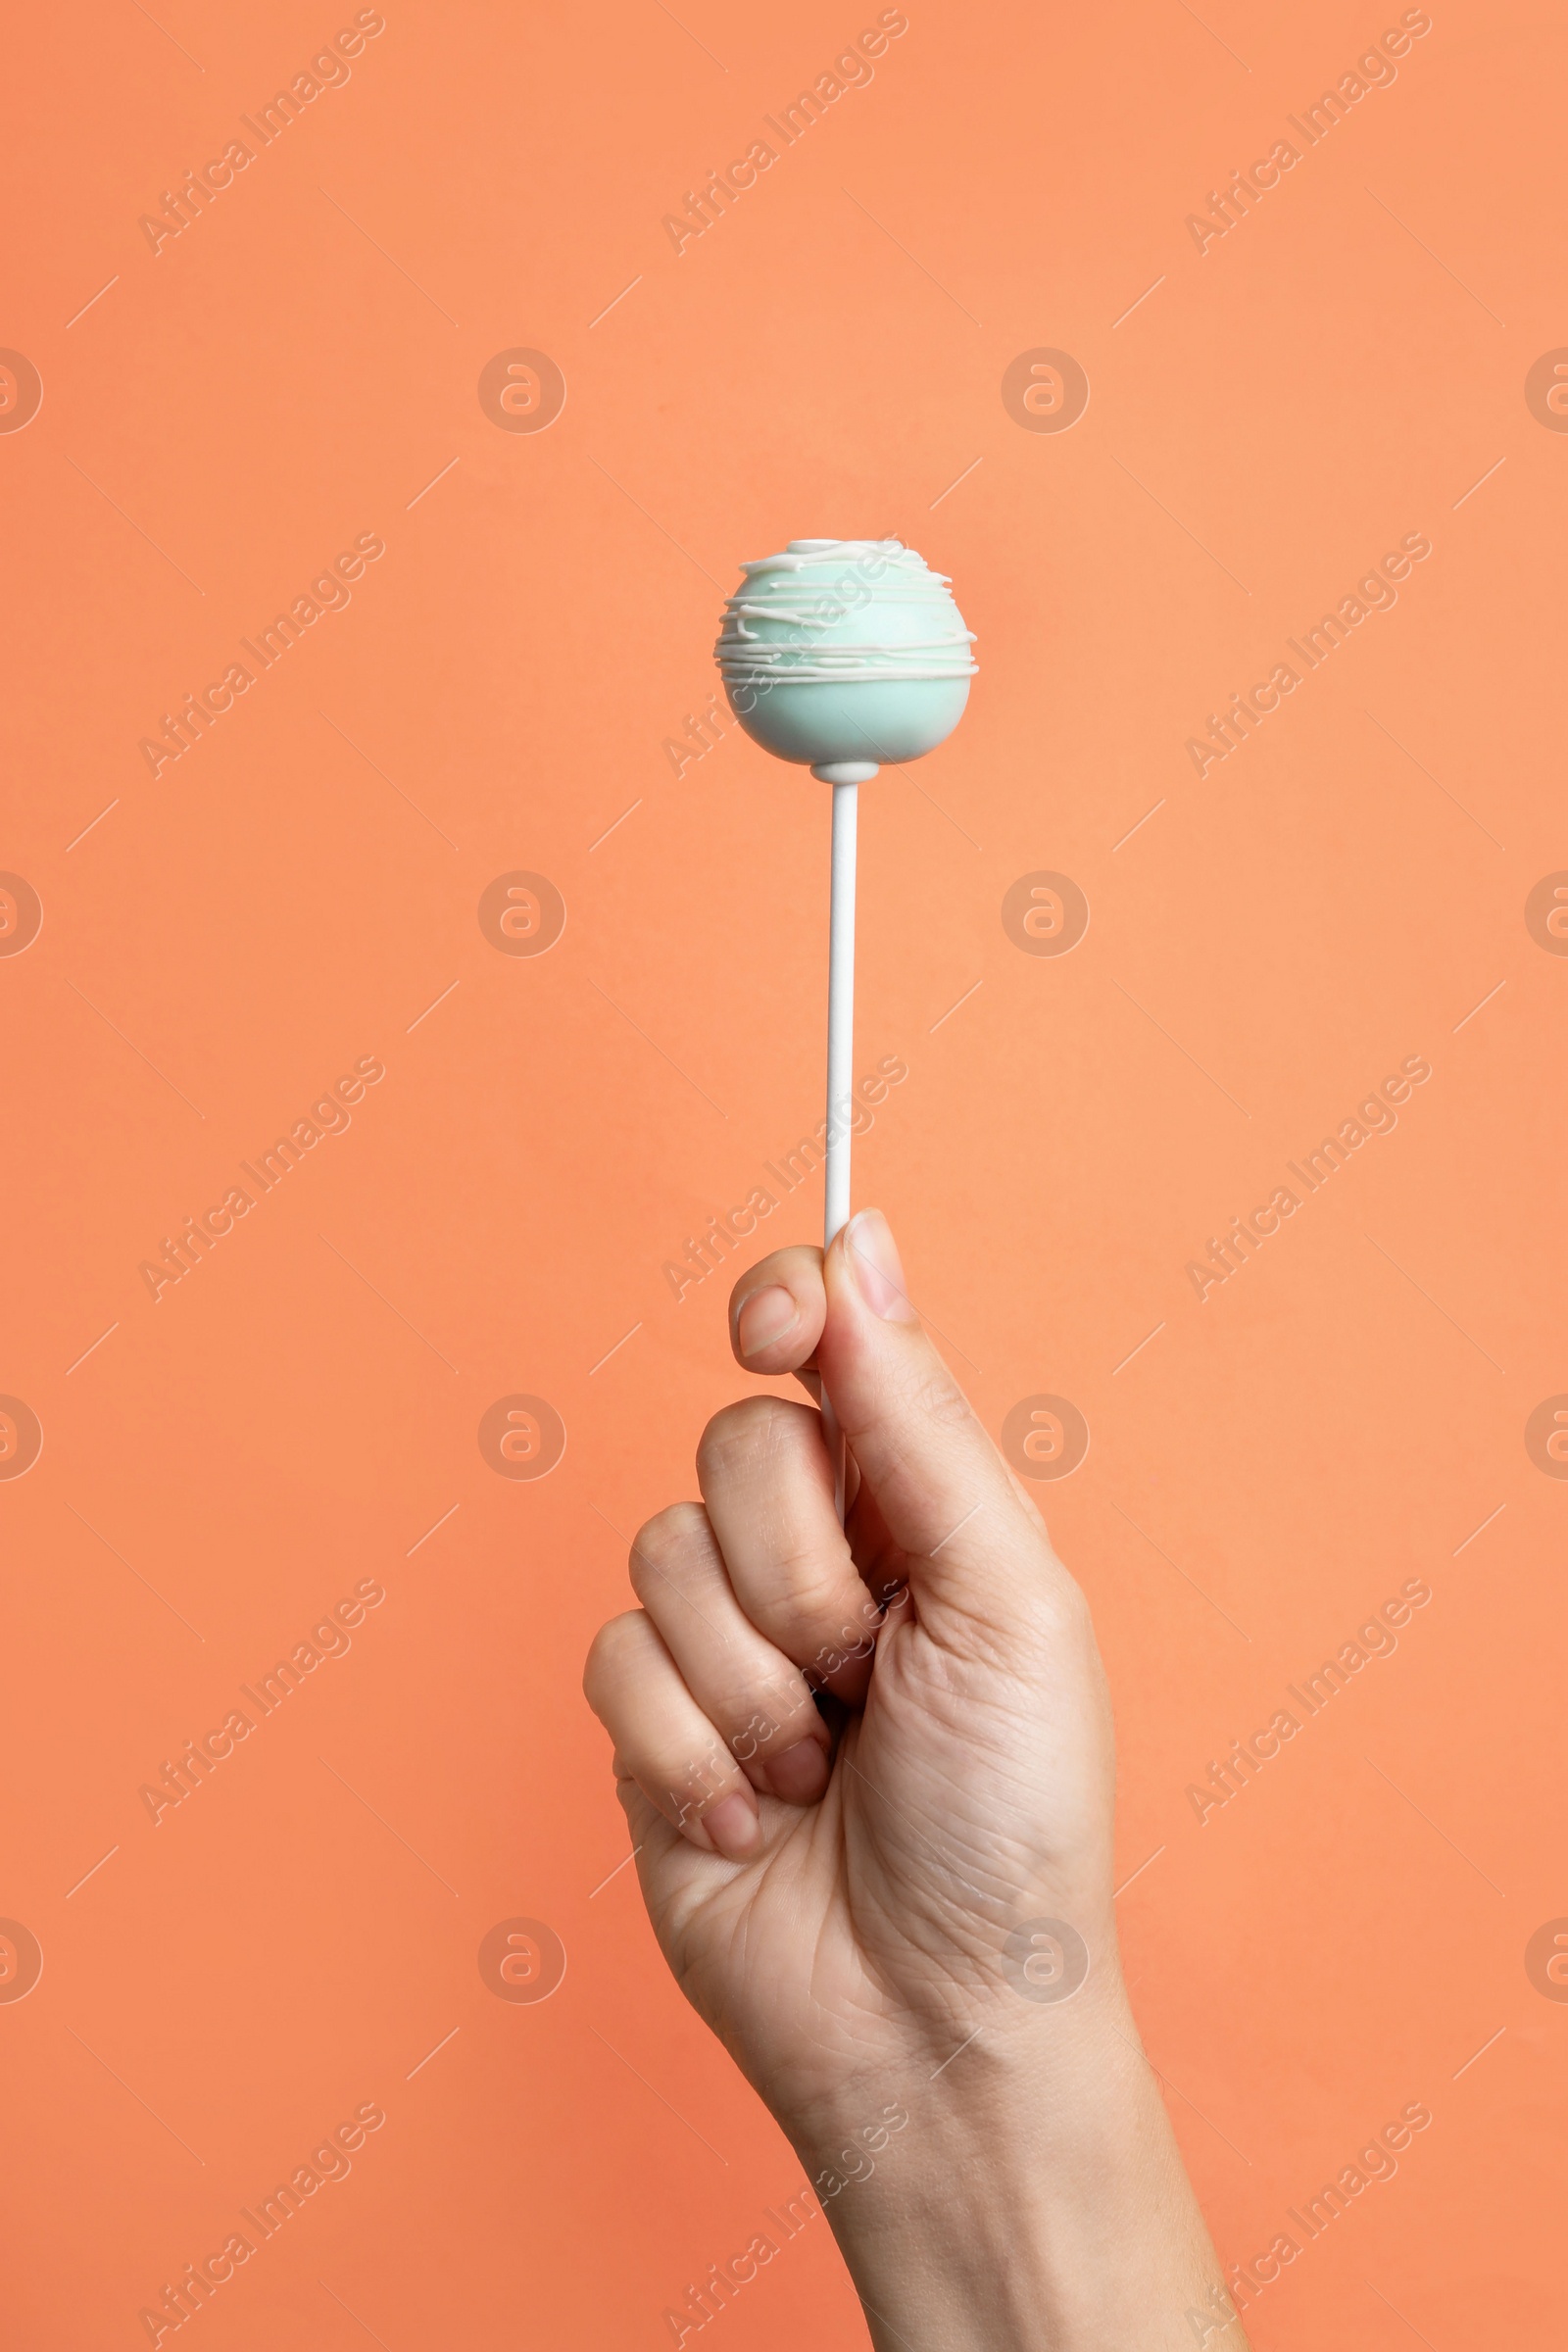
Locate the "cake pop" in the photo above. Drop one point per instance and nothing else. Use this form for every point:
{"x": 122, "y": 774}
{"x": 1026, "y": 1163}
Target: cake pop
{"x": 844, "y": 656}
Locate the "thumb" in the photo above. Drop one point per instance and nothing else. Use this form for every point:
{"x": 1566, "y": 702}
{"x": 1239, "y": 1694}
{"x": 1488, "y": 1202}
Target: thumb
{"x": 938, "y": 1482}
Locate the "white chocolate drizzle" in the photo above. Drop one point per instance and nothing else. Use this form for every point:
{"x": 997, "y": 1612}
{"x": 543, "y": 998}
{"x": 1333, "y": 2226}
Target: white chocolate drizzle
{"x": 813, "y": 586}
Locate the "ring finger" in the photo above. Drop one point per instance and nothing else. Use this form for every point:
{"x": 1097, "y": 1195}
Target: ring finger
{"x": 665, "y": 1741}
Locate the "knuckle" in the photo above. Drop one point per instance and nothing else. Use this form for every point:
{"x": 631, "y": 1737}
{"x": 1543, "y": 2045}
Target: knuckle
{"x": 940, "y": 1399}
{"x": 812, "y": 1613}
{"x": 607, "y": 1655}
{"x": 661, "y": 1544}
{"x": 813, "y": 1594}
{"x": 745, "y": 1432}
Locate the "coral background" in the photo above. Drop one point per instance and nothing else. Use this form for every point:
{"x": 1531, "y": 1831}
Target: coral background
{"x": 299, "y": 890}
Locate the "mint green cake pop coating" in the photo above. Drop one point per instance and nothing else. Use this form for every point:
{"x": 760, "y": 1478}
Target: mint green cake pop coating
{"x": 845, "y": 650}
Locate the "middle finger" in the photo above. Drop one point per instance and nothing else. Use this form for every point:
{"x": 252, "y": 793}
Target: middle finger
{"x": 768, "y": 1487}
{"x": 756, "y": 1699}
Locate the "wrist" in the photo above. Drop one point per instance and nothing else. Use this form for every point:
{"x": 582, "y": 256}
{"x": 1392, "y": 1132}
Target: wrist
{"x": 1038, "y": 2202}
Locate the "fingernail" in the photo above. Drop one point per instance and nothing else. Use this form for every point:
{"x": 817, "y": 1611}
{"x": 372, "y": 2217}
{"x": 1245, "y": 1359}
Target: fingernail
{"x": 878, "y": 1273}
{"x": 801, "y": 1774}
{"x": 733, "y": 1826}
{"x": 766, "y": 1316}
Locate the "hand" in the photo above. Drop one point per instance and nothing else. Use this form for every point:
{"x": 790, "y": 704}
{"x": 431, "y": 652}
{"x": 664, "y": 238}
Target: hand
{"x": 869, "y": 1775}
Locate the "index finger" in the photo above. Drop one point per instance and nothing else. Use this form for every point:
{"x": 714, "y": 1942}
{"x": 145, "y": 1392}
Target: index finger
{"x": 776, "y": 1312}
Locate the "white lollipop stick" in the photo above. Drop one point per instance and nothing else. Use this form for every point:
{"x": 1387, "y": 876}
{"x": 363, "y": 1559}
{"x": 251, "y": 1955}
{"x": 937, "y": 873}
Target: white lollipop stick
{"x": 846, "y": 777}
